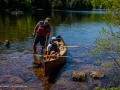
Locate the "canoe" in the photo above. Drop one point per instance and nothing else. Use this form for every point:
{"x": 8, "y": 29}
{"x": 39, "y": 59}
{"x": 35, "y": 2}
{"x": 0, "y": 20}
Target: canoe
{"x": 54, "y": 63}
{"x": 17, "y": 12}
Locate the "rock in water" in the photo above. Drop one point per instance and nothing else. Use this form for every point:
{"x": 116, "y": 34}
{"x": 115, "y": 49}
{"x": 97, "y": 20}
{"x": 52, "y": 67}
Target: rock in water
{"x": 79, "y": 76}
{"x": 6, "y": 43}
{"x": 95, "y": 74}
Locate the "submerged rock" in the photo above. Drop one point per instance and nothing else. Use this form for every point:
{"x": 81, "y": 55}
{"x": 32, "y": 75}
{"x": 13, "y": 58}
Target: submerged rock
{"x": 3, "y": 58}
{"x": 10, "y": 79}
{"x": 79, "y": 76}
{"x": 95, "y": 74}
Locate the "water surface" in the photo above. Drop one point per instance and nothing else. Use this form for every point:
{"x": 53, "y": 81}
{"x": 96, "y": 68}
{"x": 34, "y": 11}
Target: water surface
{"x": 79, "y": 28}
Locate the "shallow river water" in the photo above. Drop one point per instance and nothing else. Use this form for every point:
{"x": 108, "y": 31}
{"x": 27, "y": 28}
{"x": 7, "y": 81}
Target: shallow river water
{"x": 20, "y": 71}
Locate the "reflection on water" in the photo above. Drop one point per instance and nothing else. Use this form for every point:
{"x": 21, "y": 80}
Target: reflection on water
{"x": 21, "y": 27}
{"x": 38, "y": 70}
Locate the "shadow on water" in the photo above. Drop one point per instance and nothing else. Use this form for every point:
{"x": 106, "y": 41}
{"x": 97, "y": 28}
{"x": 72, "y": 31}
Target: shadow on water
{"x": 56, "y": 74}
{"x": 39, "y": 72}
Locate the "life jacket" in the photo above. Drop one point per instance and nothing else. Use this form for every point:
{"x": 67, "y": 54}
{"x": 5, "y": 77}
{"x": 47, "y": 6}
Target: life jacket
{"x": 54, "y": 47}
{"x": 41, "y": 31}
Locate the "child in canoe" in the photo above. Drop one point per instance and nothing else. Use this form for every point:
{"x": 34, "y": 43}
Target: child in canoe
{"x": 53, "y": 49}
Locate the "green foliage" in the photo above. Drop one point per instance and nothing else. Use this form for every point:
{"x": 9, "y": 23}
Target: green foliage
{"x": 97, "y": 62}
{"x": 48, "y": 4}
{"x": 27, "y": 3}
{"x": 57, "y": 4}
{"x": 109, "y": 39}
{"x": 106, "y": 41}
{"x": 60, "y": 4}
{"x": 97, "y": 88}
{"x": 113, "y": 88}
{"x": 102, "y": 3}
{"x": 80, "y": 4}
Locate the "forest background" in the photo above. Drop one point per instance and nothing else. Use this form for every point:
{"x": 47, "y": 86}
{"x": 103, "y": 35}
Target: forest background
{"x": 53, "y": 4}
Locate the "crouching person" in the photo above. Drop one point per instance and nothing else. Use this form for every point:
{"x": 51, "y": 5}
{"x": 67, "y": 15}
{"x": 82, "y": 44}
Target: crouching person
{"x": 53, "y": 49}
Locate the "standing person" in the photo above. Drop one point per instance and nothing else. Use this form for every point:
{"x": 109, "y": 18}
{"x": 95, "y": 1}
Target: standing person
{"x": 41, "y": 33}
{"x": 53, "y": 49}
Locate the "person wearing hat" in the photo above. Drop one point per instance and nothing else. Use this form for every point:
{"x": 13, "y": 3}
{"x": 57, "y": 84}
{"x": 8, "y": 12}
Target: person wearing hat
{"x": 41, "y": 33}
{"x": 53, "y": 49}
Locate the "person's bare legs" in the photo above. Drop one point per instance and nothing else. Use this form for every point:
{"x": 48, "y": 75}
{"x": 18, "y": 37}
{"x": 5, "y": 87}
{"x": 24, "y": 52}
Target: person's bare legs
{"x": 58, "y": 54}
{"x": 34, "y": 48}
{"x": 53, "y": 54}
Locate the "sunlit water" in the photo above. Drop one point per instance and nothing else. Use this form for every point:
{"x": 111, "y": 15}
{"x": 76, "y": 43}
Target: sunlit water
{"x": 77, "y": 28}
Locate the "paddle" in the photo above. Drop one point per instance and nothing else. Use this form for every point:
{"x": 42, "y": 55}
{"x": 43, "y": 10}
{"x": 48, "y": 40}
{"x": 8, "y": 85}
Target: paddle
{"x": 70, "y": 46}
{"x": 64, "y": 46}
{"x": 50, "y": 55}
